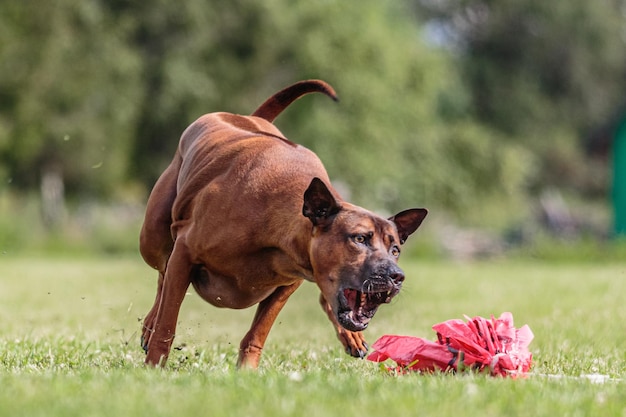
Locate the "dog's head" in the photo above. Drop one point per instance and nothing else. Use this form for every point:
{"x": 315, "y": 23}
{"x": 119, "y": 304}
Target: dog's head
{"x": 354, "y": 254}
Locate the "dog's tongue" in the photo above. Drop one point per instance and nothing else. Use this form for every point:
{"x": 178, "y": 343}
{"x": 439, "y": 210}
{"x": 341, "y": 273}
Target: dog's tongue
{"x": 358, "y": 300}
{"x": 354, "y": 298}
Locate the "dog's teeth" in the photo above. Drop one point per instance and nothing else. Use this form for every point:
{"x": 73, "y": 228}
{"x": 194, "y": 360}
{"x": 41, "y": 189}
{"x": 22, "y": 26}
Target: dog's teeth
{"x": 363, "y": 298}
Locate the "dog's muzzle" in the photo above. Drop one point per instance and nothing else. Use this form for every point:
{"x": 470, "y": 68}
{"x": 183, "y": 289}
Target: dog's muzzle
{"x": 357, "y": 306}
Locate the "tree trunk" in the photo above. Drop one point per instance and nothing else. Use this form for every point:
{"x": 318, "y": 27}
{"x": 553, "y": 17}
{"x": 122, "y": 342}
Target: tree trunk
{"x": 52, "y": 197}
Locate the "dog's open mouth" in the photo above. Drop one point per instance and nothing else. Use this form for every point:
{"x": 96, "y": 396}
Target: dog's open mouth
{"x": 357, "y": 307}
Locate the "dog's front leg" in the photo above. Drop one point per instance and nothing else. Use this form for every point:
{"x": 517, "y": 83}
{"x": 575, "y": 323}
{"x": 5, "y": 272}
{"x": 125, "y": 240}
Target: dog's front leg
{"x": 175, "y": 284}
{"x": 266, "y": 313}
{"x": 353, "y": 342}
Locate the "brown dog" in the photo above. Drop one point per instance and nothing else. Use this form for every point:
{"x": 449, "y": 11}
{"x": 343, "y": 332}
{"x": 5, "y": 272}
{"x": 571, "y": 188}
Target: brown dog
{"x": 245, "y": 216}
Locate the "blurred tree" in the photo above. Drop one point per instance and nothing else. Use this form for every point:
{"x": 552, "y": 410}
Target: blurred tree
{"x": 543, "y": 73}
{"x": 403, "y": 114}
{"x": 68, "y": 87}
{"x": 392, "y": 139}
{"x": 198, "y": 57}
{"x": 98, "y": 92}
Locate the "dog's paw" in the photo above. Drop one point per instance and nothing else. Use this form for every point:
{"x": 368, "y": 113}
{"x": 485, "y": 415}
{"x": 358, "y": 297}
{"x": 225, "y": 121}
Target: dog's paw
{"x": 145, "y": 337}
{"x": 144, "y": 343}
{"x": 354, "y": 343}
{"x": 358, "y": 353}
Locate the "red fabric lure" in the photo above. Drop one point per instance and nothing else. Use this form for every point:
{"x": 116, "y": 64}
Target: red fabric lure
{"x": 481, "y": 344}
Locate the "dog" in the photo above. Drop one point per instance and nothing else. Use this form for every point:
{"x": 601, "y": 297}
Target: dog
{"x": 244, "y": 215}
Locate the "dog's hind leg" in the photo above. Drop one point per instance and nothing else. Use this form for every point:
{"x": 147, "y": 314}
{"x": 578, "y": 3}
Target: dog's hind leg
{"x": 148, "y": 321}
{"x": 156, "y": 242}
{"x": 173, "y": 289}
{"x": 266, "y": 313}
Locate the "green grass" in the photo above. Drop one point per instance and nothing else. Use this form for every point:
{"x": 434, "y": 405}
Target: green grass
{"x": 69, "y": 345}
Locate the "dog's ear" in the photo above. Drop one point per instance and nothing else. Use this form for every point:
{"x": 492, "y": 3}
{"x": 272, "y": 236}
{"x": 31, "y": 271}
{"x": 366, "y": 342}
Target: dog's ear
{"x": 408, "y": 221}
{"x": 319, "y": 204}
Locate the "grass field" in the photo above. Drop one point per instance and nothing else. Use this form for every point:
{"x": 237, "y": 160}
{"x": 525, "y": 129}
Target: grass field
{"x": 69, "y": 345}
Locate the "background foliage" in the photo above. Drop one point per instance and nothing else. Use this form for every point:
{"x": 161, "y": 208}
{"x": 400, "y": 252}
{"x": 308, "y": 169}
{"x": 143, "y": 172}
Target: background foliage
{"x": 468, "y": 107}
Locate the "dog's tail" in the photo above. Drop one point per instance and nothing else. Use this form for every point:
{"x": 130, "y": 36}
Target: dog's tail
{"x": 274, "y": 105}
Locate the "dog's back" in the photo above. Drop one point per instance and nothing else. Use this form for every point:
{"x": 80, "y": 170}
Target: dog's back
{"x": 225, "y": 147}
{"x": 223, "y": 151}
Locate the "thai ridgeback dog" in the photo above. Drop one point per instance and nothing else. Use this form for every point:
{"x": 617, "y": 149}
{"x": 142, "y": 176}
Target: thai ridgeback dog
{"x": 245, "y": 216}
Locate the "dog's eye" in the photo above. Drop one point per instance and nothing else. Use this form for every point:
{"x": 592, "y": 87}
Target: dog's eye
{"x": 395, "y": 251}
{"x": 362, "y": 238}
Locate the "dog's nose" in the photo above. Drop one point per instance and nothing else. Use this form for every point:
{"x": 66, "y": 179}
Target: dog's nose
{"x": 396, "y": 275}
{"x": 398, "y": 278}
